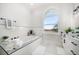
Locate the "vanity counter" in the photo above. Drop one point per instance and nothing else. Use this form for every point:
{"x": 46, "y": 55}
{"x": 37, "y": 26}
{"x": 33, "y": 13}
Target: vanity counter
{"x": 11, "y": 46}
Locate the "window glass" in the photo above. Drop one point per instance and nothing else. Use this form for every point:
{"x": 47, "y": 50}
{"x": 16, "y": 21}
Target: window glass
{"x": 51, "y": 21}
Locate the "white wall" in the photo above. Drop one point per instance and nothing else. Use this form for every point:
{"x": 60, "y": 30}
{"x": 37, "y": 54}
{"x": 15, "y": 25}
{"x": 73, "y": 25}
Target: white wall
{"x": 65, "y": 12}
{"x": 76, "y": 16}
{"x": 18, "y": 12}
{"x": 67, "y": 16}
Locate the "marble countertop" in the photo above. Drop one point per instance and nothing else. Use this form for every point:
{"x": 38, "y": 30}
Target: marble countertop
{"x": 11, "y": 46}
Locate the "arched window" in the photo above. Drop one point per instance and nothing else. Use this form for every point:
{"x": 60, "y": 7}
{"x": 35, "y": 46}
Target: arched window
{"x": 51, "y": 21}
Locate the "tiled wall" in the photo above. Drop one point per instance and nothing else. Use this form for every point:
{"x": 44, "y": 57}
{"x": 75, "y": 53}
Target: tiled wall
{"x": 18, "y": 31}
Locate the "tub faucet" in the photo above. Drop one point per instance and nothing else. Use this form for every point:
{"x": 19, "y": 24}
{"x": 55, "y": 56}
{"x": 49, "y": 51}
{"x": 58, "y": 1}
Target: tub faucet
{"x": 31, "y": 32}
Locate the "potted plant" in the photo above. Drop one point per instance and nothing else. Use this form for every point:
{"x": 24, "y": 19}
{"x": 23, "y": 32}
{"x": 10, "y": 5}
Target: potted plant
{"x": 68, "y": 30}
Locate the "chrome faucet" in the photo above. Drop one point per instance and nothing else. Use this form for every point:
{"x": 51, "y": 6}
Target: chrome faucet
{"x": 31, "y": 32}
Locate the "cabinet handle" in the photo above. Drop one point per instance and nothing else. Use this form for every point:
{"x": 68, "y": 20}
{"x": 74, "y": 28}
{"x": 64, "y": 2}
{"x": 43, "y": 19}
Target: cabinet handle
{"x": 74, "y": 43}
{"x": 64, "y": 41}
{"x": 72, "y": 52}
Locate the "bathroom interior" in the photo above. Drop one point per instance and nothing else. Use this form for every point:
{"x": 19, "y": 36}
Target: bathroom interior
{"x": 39, "y": 29}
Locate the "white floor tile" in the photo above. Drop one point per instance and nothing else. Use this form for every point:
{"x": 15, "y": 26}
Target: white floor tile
{"x": 60, "y": 51}
{"x": 39, "y": 50}
{"x": 51, "y": 45}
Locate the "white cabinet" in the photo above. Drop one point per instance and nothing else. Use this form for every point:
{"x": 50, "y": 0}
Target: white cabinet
{"x": 71, "y": 45}
{"x": 66, "y": 46}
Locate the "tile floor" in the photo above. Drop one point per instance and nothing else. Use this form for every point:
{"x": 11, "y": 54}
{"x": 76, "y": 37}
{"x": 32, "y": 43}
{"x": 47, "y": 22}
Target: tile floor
{"x": 50, "y": 45}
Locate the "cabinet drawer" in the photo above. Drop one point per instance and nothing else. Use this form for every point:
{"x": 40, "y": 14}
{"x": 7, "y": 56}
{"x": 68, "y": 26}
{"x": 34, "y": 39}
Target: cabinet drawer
{"x": 73, "y": 52}
{"x": 67, "y": 48}
{"x": 71, "y": 46}
{"x": 75, "y": 42}
{"x": 74, "y": 47}
{"x": 76, "y": 52}
{"x": 66, "y": 40}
